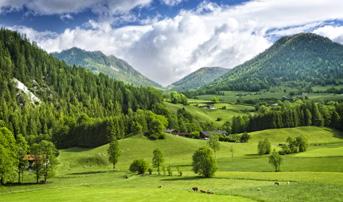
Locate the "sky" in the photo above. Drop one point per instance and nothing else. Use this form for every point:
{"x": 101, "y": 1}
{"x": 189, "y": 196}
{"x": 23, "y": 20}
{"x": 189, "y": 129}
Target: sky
{"x": 167, "y": 39}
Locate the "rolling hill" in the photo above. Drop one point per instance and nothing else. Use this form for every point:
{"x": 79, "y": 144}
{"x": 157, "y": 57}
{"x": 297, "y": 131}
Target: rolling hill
{"x": 299, "y": 60}
{"x": 97, "y": 62}
{"x": 178, "y": 150}
{"x": 199, "y": 78}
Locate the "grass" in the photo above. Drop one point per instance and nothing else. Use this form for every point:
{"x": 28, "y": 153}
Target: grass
{"x": 273, "y": 94}
{"x": 85, "y": 174}
{"x": 212, "y": 115}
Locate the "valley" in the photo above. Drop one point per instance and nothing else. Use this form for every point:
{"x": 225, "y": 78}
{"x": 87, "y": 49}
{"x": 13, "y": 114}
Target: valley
{"x": 270, "y": 129}
{"x": 245, "y": 177}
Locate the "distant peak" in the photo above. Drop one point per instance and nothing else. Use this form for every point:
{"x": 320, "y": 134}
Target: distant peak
{"x": 304, "y": 36}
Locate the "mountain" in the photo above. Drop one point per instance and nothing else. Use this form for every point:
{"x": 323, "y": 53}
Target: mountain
{"x": 299, "y": 60}
{"x": 41, "y": 96}
{"x": 97, "y": 62}
{"x": 198, "y": 79}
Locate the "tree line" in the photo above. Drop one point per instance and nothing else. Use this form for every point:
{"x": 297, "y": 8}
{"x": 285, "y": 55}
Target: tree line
{"x": 288, "y": 115}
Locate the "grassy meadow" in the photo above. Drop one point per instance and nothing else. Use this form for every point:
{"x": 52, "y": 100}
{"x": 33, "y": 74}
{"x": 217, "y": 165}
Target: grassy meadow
{"x": 221, "y": 113}
{"x": 86, "y": 175}
{"x": 276, "y": 93}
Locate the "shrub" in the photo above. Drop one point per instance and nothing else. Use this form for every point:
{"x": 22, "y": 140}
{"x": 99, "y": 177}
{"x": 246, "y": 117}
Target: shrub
{"x": 139, "y": 166}
{"x": 244, "y": 138}
{"x": 275, "y": 160}
{"x": 294, "y": 145}
{"x": 302, "y": 143}
{"x": 264, "y": 147}
{"x": 204, "y": 162}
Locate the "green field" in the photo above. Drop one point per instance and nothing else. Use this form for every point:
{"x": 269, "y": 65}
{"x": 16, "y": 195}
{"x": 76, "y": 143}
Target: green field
{"x": 85, "y": 175}
{"x": 274, "y": 94}
{"x": 211, "y": 115}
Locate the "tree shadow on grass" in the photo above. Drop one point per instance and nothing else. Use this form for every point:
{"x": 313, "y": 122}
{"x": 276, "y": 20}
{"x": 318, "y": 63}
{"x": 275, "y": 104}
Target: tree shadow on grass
{"x": 92, "y": 172}
{"x": 184, "y": 178}
{"x": 25, "y": 184}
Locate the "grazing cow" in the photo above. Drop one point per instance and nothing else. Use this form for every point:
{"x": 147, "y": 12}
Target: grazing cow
{"x": 276, "y": 183}
{"x": 209, "y": 192}
{"x": 195, "y": 189}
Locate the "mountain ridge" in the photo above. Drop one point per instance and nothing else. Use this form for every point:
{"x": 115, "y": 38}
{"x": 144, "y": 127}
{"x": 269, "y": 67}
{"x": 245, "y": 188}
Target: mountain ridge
{"x": 198, "y": 78}
{"x": 303, "y": 59}
{"x": 98, "y": 62}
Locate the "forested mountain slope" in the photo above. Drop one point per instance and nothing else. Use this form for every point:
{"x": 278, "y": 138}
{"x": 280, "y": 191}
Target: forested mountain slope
{"x": 198, "y": 79}
{"x": 303, "y": 59}
{"x": 71, "y": 100}
{"x": 97, "y": 62}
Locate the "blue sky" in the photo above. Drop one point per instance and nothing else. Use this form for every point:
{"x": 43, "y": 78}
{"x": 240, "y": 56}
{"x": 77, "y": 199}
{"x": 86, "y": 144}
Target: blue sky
{"x": 59, "y": 22}
{"x": 168, "y": 39}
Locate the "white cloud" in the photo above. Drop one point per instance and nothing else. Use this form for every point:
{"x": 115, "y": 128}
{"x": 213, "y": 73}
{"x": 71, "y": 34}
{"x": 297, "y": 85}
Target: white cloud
{"x": 66, "y": 17}
{"x": 211, "y": 35}
{"x": 171, "y": 2}
{"x": 47, "y": 7}
{"x": 333, "y": 32}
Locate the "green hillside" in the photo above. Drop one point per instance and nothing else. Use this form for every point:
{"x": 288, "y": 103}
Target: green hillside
{"x": 178, "y": 150}
{"x": 199, "y": 78}
{"x": 300, "y": 60}
{"x": 42, "y": 97}
{"x": 97, "y": 62}
{"x": 218, "y": 116}
{"x": 83, "y": 175}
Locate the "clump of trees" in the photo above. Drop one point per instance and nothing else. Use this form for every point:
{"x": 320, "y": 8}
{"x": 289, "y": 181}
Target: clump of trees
{"x": 287, "y": 115}
{"x": 244, "y": 137}
{"x": 178, "y": 98}
{"x": 14, "y": 152}
{"x": 139, "y": 166}
{"x": 44, "y": 159}
{"x": 264, "y": 147}
{"x": 204, "y": 162}
{"x": 294, "y": 145}
{"x": 156, "y": 125}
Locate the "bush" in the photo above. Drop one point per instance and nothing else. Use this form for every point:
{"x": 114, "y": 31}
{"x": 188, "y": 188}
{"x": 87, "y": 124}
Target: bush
{"x": 204, "y": 162}
{"x": 275, "y": 160}
{"x": 139, "y": 167}
{"x": 302, "y": 143}
{"x": 158, "y": 136}
{"x": 295, "y": 145}
{"x": 264, "y": 147}
{"x": 231, "y": 138}
{"x": 245, "y": 138}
